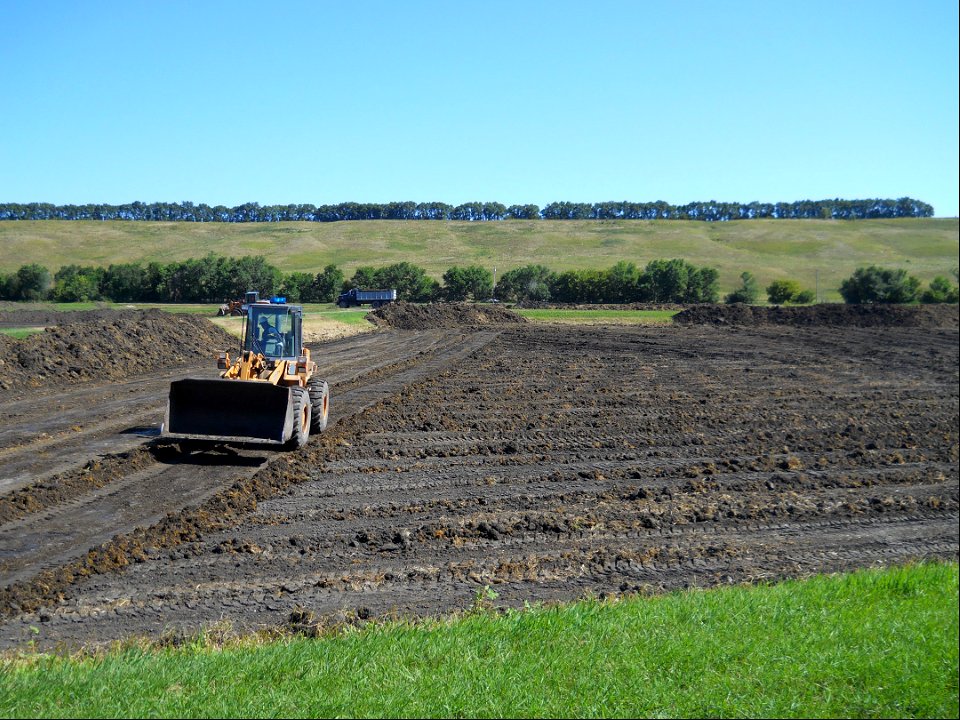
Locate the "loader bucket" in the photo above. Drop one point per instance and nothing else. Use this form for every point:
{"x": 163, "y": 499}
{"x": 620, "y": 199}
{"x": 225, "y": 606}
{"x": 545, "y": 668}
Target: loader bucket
{"x": 229, "y": 410}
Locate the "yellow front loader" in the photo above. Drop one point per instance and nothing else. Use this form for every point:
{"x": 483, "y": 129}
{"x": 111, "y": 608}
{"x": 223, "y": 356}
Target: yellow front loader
{"x": 270, "y": 394}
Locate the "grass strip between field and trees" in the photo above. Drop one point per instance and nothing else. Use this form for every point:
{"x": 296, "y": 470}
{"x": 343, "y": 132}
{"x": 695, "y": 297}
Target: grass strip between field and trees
{"x": 874, "y": 643}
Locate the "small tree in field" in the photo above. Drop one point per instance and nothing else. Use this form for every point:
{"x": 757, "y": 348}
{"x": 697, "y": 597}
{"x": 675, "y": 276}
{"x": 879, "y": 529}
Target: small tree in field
{"x": 747, "y": 292}
{"x": 784, "y": 292}
{"x": 940, "y": 291}
{"x": 467, "y": 283}
{"x": 677, "y": 281}
{"x": 297, "y": 287}
{"x": 327, "y": 284}
{"x": 530, "y": 282}
{"x": 30, "y": 282}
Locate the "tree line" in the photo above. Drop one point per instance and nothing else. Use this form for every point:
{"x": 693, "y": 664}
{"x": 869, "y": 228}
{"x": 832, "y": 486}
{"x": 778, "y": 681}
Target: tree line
{"x": 216, "y": 279}
{"x": 711, "y": 211}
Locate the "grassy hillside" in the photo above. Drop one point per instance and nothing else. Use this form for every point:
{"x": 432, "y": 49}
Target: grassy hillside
{"x": 771, "y": 249}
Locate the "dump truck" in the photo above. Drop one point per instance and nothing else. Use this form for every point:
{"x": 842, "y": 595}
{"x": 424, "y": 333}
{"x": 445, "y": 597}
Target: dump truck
{"x": 374, "y": 298}
{"x": 270, "y": 394}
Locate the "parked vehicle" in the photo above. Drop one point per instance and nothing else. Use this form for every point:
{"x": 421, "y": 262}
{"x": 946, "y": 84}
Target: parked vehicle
{"x": 269, "y": 394}
{"x": 374, "y": 298}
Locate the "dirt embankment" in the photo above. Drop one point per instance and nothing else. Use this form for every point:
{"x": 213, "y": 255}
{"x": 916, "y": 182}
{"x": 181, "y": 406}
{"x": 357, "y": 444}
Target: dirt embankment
{"x": 533, "y": 305}
{"x": 407, "y": 316}
{"x": 827, "y": 314}
{"x": 105, "y": 344}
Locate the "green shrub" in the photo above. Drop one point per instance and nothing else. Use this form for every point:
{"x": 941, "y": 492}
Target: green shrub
{"x": 74, "y": 283}
{"x": 789, "y": 292}
{"x": 678, "y": 281}
{"x": 472, "y": 282}
{"x": 327, "y": 284}
{"x": 940, "y": 291}
{"x": 804, "y": 297}
{"x": 531, "y": 282}
{"x": 747, "y": 292}
{"x": 880, "y": 285}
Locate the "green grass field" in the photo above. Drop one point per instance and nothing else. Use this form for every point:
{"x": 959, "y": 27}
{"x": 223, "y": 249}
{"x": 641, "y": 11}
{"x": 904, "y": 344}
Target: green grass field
{"x": 878, "y": 643}
{"x": 20, "y": 333}
{"x": 805, "y": 250}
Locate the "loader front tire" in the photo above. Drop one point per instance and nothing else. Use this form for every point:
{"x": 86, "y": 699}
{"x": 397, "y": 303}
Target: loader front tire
{"x": 320, "y": 400}
{"x": 301, "y": 419}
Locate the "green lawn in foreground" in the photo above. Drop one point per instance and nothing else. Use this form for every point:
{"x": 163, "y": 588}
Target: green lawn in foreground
{"x": 878, "y": 643}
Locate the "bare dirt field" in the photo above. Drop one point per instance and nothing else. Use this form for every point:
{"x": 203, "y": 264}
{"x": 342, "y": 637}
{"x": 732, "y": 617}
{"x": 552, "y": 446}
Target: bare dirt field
{"x": 546, "y": 462}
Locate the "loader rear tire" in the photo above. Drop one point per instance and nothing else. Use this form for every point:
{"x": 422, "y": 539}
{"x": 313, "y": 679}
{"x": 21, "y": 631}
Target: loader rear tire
{"x": 302, "y": 412}
{"x": 320, "y": 400}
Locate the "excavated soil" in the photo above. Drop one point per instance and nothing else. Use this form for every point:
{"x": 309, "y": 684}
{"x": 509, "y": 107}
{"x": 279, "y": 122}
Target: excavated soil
{"x": 537, "y": 305}
{"x": 81, "y": 346}
{"x": 408, "y": 316}
{"x": 824, "y": 314}
{"x": 549, "y": 463}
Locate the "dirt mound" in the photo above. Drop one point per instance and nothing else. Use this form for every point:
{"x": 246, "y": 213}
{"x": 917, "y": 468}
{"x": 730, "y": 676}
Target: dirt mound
{"x": 408, "y": 316}
{"x": 107, "y": 344}
{"x": 537, "y": 305}
{"x": 826, "y": 314}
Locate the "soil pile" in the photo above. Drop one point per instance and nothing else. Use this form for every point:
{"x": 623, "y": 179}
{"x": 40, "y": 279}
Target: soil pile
{"x": 107, "y": 344}
{"x": 826, "y": 314}
{"x": 408, "y": 316}
{"x": 538, "y": 305}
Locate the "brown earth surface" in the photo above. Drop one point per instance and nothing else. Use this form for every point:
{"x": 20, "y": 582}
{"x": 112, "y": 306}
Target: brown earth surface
{"x": 823, "y": 314}
{"x": 410, "y": 316}
{"x": 77, "y": 347}
{"x": 539, "y": 305}
{"x": 549, "y": 463}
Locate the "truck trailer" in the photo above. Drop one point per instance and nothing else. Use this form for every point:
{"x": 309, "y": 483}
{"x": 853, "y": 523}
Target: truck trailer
{"x": 374, "y": 298}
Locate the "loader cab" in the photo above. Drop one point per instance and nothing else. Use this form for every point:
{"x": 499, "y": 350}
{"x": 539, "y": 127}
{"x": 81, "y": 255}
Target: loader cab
{"x": 274, "y": 330}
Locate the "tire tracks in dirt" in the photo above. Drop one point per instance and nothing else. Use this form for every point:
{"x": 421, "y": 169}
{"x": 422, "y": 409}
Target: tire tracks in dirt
{"x": 162, "y": 481}
{"x": 552, "y": 464}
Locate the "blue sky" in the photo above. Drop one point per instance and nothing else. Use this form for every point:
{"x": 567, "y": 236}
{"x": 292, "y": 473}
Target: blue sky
{"x": 516, "y": 102}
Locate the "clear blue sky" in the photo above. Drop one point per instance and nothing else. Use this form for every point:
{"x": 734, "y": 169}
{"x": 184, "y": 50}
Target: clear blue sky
{"x": 524, "y": 101}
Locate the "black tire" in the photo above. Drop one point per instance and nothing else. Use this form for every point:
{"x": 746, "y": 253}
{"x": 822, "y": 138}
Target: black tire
{"x": 302, "y": 414}
{"x": 320, "y": 400}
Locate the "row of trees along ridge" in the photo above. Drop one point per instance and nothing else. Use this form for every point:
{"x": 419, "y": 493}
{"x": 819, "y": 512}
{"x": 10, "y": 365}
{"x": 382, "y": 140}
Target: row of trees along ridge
{"x": 711, "y": 211}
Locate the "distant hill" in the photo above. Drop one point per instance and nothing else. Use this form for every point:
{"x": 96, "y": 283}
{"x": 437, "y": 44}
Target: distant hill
{"x": 805, "y": 250}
